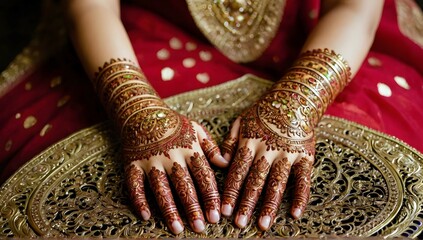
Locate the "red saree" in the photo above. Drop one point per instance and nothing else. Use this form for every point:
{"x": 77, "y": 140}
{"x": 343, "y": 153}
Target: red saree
{"x": 54, "y": 98}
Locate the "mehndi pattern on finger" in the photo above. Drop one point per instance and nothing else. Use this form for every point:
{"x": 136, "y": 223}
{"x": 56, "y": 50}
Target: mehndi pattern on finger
{"x": 163, "y": 194}
{"x": 255, "y": 183}
{"x": 185, "y": 189}
{"x": 302, "y": 176}
{"x": 206, "y": 182}
{"x": 135, "y": 182}
{"x": 237, "y": 173}
{"x": 275, "y": 187}
{"x": 210, "y": 148}
{"x": 229, "y": 146}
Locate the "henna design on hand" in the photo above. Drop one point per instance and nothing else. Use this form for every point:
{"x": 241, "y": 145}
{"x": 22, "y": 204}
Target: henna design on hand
{"x": 161, "y": 189}
{"x": 255, "y": 183}
{"x": 302, "y": 173}
{"x": 229, "y": 146}
{"x": 185, "y": 188}
{"x": 237, "y": 173}
{"x": 253, "y": 127}
{"x": 204, "y": 176}
{"x": 210, "y": 148}
{"x": 181, "y": 136}
{"x": 148, "y": 126}
{"x": 135, "y": 183}
{"x": 284, "y": 118}
{"x": 275, "y": 187}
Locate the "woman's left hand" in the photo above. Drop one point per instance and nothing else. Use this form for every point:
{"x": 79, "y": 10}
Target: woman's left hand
{"x": 273, "y": 136}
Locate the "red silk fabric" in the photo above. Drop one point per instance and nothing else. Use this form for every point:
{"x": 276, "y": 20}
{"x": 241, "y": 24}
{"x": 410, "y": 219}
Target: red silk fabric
{"x": 386, "y": 94}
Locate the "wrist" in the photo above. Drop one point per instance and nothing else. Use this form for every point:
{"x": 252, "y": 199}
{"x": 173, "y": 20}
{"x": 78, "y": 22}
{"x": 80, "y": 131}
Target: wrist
{"x": 310, "y": 86}
{"x": 124, "y": 91}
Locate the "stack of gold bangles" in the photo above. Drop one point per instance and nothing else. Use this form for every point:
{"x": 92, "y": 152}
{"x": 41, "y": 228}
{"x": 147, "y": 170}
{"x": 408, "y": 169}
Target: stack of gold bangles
{"x": 296, "y": 103}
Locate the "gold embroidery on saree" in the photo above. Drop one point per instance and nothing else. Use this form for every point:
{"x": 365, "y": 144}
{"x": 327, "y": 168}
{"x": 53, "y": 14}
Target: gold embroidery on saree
{"x": 48, "y": 38}
{"x": 410, "y": 20}
{"x": 240, "y": 29}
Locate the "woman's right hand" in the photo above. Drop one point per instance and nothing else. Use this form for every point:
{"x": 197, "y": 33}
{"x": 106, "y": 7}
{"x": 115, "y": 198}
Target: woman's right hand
{"x": 158, "y": 142}
{"x": 168, "y": 149}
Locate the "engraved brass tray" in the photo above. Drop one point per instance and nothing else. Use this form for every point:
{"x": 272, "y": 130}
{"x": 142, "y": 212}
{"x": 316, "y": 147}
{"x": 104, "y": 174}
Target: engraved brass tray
{"x": 364, "y": 183}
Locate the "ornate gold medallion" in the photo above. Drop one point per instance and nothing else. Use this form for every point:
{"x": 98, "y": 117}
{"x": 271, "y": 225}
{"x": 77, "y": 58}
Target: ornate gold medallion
{"x": 364, "y": 183}
{"x": 240, "y": 29}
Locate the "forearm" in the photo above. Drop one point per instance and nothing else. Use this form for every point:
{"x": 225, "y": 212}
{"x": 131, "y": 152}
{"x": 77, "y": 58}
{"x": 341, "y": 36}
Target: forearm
{"x": 348, "y": 28}
{"x": 97, "y": 32}
{"x": 331, "y": 56}
{"x": 106, "y": 53}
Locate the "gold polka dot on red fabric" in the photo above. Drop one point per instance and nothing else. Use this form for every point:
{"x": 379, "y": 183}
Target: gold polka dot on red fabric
{"x": 203, "y": 77}
{"x": 63, "y": 101}
{"x": 190, "y": 46}
{"x": 18, "y": 115}
{"x": 384, "y": 90}
{"x": 205, "y": 56}
{"x": 28, "y": 86}
{"x": 402, "y": 82}
{"x": 56, "y": 81}
{"x": 163, "y": 54}
{"x": 45, "y": 129}
{"x": 175, "y": 43}
{"x": 189, "y": 62}
{"x": 8, "y": 145}
{"x": 374, "y": 62}
{"x": 29, "y": 122}
{"x": 167, "y": 74}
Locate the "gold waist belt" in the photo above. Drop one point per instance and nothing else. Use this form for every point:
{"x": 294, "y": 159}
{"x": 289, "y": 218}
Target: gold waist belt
{"x": 364, "y": 183}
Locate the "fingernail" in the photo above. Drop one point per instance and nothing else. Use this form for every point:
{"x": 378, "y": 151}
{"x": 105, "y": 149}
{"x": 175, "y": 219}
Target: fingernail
{"x": 227, "y": 210}
{"x": 145, "y": 215}
{"x": 296, "y": 213}
{"x": 242, "y": 221}
{"x": 223, "y": 162}
{"x": 264, "y": 222}
{"x": 198, "y": 225}
{"x": 213, "y": 216}
{"x": 177, "y": 227}
{"x": 227, "y": 157}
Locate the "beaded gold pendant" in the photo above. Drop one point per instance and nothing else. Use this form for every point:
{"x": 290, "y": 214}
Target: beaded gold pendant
{"x": 240, "y": 29}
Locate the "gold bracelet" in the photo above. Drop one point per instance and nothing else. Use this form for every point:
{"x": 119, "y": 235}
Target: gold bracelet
{"x": 286, "y": 115}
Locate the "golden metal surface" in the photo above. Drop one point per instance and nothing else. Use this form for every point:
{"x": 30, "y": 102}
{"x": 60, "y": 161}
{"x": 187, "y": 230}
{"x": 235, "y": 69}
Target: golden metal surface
{"x": 240, "y": 29}
{"x": 364, "y": 182}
